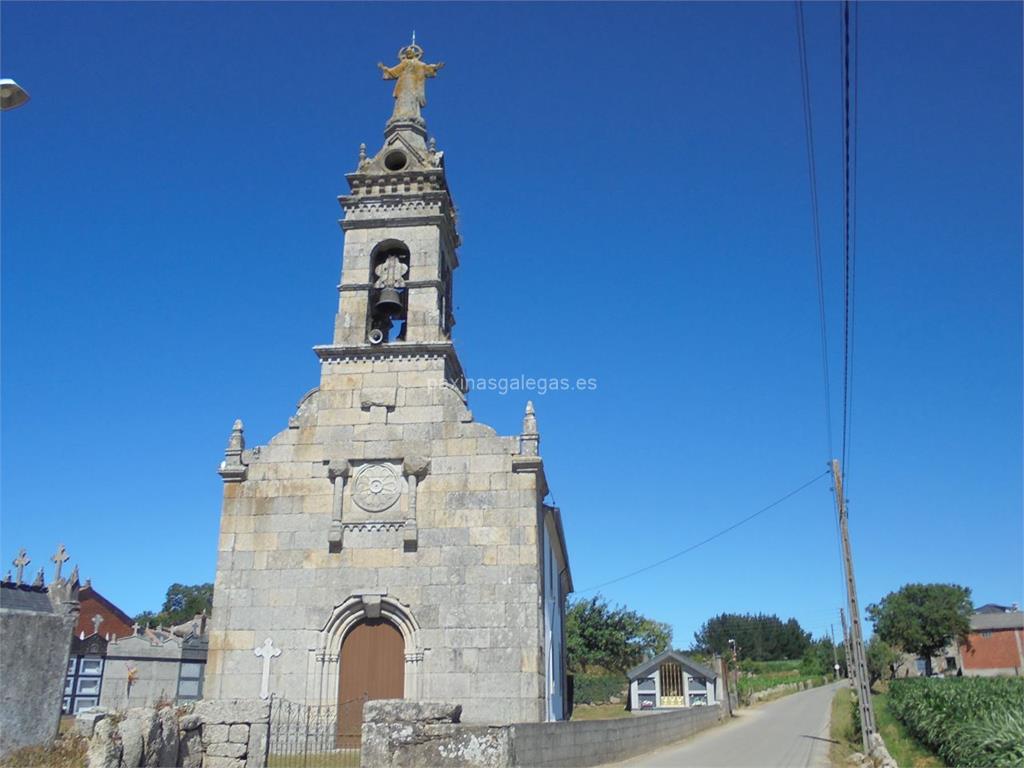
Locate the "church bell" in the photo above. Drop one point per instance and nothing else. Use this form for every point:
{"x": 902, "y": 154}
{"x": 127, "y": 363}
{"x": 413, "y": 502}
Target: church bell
{"x": 389, "y": 302}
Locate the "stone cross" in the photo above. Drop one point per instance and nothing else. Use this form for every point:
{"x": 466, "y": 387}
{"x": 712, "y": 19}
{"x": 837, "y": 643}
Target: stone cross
{"x": 60, "y": 557}
{"x": 135, "y": 628}
{"x": 96, "y": 621}
{"x": 267, "y": 651}
{"x": 20, "y": 562}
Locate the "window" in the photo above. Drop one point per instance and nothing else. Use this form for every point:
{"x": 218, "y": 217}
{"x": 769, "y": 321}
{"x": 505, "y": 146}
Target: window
{"x": 190, "y": 680}
{"x": 922, "y": 666}
{"x": 987, "y": 633}
{"x": 82, "y": 684}
{"x": 88, "y": 686}
{"x": 84, "y": 703}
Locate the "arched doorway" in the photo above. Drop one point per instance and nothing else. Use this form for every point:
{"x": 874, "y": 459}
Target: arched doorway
{"x": 371, "y": 666}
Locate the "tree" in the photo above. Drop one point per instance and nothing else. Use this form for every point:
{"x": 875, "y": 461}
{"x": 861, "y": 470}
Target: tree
{"x": 923, "y": 618}
{"x": 181, "y": 604}
{"x": 819, "y": 659}
{"x": 881, "y": 658}
{"x": 612, "y": 639}
{"x": 759, "y": 637}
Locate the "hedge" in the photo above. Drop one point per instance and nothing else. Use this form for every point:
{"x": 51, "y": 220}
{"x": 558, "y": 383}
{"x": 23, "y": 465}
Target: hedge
{"x": 597, "y": 689}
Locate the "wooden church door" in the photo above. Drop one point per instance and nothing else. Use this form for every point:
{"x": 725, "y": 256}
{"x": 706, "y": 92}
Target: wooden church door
{"x": 372, "y": 666}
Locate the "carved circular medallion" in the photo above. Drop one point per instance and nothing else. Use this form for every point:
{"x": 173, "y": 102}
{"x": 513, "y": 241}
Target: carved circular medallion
{"x": 376, "y": 487}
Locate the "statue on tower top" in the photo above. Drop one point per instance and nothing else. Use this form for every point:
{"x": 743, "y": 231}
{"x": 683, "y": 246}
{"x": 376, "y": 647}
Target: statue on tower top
{"x": 411, "y": 73}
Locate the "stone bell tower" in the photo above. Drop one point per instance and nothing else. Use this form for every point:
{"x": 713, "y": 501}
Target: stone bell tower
{"x": 385, "y": 529}
{"x": 398, "y": 295}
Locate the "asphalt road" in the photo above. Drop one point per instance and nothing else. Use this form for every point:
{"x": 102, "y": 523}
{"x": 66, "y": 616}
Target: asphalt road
{"x": 791, "y": 732}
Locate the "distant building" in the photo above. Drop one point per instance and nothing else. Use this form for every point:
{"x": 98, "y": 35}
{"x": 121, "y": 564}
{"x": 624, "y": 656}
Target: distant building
{"x": 111, "y": 619}
{"x": 995, "y": 645}
{"x": 155, "y": 665}
{"x": 671, "y": 680}
{"x": 118, "y": 664}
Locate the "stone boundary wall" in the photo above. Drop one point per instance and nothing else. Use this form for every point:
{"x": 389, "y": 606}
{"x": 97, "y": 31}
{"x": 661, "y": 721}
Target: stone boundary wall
{"x": 206, "y": 734}
{"x": 770, "y": 693}
{"x": 408, "y": 734}
{"x": 593, "y": 742}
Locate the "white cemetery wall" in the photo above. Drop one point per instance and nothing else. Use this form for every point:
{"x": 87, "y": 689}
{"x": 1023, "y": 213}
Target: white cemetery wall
{"x": 156, "y": 676}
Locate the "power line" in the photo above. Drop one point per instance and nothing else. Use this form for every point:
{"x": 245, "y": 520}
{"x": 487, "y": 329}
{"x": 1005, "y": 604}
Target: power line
{"x": 853, "y": 238}
{"x": 815, "y": 217}
{"x": 847, "y": 250}
{"x": 805, "y": 82}
{"x": 709, "y": 539}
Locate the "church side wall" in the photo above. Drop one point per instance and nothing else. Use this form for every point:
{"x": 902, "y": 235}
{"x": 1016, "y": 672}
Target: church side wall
{"x": 471, "y": 585}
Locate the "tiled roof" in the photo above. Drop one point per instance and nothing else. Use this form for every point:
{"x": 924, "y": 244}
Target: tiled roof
{"x": 22, "y": 597}
{"x": 987, "y": 621}
{"x": 645, "y": 666}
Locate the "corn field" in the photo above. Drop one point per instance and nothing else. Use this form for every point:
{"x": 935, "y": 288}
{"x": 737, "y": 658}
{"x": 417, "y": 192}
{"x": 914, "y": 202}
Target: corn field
{"x": 970, "y": 722}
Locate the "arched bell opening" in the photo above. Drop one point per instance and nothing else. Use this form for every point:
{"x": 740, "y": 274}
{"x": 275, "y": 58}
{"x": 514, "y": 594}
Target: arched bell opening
{"x": 388, "y": 306}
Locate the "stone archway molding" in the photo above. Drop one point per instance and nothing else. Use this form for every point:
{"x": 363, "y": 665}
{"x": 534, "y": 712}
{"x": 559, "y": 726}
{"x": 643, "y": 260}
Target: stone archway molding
{"x": 359, "y": 607}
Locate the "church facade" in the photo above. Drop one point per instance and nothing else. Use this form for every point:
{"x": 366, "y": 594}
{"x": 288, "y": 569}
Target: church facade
{"x": 385, "y": 544}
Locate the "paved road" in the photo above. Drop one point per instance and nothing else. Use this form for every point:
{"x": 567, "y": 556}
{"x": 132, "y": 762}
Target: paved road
{"x": 791, "y": 732}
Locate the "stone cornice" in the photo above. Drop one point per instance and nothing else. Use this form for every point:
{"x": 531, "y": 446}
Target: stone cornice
{"x": 402, "y": 350}
{"x": 532, "y": 465}
{"x": 408, "y": 284}
{"x": 435, "y": 219}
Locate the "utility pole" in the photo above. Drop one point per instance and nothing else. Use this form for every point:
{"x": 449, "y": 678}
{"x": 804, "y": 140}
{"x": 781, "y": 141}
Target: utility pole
{"x": 862, "y": 682}
{"x": 835, "y": 653}
{"x": 846, "y": 645}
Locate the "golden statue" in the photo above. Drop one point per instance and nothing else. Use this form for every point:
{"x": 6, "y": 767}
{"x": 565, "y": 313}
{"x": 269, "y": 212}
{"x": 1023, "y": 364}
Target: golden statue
{"x": 411, "y": 73}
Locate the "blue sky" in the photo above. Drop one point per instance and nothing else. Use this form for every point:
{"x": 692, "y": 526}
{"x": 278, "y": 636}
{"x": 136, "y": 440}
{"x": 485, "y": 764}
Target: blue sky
{"x": 633, "y": 198}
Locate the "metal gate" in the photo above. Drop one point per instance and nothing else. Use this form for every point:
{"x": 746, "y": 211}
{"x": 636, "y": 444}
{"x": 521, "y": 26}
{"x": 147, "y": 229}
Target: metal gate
{"x": 306, "y": 736}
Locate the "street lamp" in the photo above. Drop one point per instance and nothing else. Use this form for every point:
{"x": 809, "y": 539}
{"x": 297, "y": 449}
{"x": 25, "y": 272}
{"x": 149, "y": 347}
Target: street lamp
{"x": 11, "y": 94}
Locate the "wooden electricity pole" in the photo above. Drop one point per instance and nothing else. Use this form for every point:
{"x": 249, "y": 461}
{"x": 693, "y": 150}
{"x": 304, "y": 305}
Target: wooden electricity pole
{"x": 846, "y": 644}
{"x": 835, "y": 653}
{"x": 861, "y": 680}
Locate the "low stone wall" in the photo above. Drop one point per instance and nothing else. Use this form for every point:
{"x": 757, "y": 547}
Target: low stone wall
{"x": 593, "y": 742}
{"x": 411, "y": 734}
{"x": 207, "y": 734}
{"x": 771, "y": 693}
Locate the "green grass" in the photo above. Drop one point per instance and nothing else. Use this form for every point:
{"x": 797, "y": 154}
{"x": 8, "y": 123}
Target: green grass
{"x": 600, "y": 712}
{"x": 757, "y": 683}
{"x": 342, "y": 758}
{"x": 844, "y": 741}
{"x": 770, "y": 667}
{"x": 904, "y": 748}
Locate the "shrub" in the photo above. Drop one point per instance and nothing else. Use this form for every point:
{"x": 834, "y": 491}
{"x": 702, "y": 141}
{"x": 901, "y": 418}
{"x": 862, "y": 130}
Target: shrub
{"x": 597, "y": 689}
{"x": 66, "y": 752}
{"x": 966, "y": 721}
